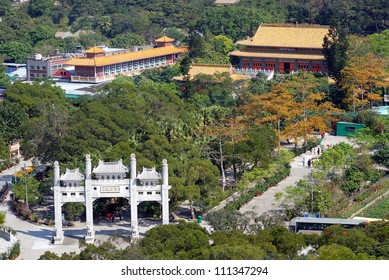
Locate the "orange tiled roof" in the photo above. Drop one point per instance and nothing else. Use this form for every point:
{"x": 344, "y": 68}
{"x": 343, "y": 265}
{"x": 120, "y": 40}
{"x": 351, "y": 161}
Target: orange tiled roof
{"x": 164, "y": 39}
{"x": 279, "y": 55}
{"x": 95, "y": 50}
{"x": 123, "y": 57}
{"x": 284, "y": 35}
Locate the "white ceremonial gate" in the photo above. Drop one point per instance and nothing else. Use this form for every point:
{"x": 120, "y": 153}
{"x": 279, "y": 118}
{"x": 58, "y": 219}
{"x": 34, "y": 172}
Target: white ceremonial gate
{"x": 109, "y": 181}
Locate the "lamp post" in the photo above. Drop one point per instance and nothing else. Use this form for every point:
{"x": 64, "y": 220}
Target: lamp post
{"x": 311, "y": 183}
{"x": 25, "y": 182}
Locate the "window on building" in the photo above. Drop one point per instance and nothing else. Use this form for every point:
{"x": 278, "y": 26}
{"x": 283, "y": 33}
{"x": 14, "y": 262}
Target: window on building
{"x": 140, "y": 193}
{"x": 44, "y": 67}
{"x": 149, "y": 193}
{"x": 157, "y": 192}
{"x": 64, "y": 194}
{"x": 32, "y": 67}
{"x": 32, "y": 75}
{"x": 38, "y": 68}
{"x": 73, "y": 194}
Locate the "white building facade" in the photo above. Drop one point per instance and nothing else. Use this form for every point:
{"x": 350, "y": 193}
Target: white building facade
{"x": 108, "y": 179}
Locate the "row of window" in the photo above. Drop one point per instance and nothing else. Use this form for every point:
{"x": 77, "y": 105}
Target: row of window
{"x": 32, "y": 67}
{"x": 148, "y": 193}
{"x": 59, "y": 66}
{"x": 109, "y": 177}
{"x": 82, "y": 194}
{"x": 72, "y": 194}
{"x": 134, "y": 65}
{"x": 38, "y": 75}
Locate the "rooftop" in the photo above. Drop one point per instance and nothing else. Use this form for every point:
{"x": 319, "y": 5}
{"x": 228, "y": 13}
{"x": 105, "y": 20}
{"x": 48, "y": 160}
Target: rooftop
{"x": 288, "y": 36}
{"x": 72, "y": 175}
{"x": 149, "y": 174}
{"x": 95, "y": 50}
{"x": 211, "y": 69}
{"x": 164, "y": 39}
{"x": 226, "y": 2}
{"x": 110, "y": 168}
{"x": 123, "y": 57}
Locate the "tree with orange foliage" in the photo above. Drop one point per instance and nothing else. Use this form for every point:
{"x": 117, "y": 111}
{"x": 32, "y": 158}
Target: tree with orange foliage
{"x": 294, "y": 107}
{"x": 361, "y": 79}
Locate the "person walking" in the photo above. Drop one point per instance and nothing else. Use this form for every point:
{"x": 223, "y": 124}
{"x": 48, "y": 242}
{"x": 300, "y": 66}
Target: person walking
{"x": 303, "y": 161}
{"x": 309, "y": 162}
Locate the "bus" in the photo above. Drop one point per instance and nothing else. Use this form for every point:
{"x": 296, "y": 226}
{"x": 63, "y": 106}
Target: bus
{"x": 21, "y": 173}
{"x": 317, "y": 225}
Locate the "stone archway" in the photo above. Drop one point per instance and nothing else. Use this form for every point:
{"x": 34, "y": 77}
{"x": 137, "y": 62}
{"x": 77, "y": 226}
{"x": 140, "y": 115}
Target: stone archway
{"x": 109, "y": 180}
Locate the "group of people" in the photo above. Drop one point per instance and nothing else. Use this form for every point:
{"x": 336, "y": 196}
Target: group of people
{"x": 309, "y": 162}
{"x": 314, "y": 151}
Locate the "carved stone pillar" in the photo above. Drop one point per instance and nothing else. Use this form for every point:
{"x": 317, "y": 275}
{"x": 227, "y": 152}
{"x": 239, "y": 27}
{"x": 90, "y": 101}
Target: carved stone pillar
{"x": 165, "y": 193}
{"x": 58, "y": 235}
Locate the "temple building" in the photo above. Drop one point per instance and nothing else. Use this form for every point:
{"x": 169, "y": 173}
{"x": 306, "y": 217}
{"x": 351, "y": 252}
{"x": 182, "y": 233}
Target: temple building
{"x": 283, "y": 48}
{"x": 98, "y": 65}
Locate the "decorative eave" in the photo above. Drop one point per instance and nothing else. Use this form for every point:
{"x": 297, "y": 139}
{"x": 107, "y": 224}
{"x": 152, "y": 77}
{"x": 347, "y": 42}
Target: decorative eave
{"x": 72, "y": 175}
{"x": 110, "y": 168}
{"x": 149, "y": 174}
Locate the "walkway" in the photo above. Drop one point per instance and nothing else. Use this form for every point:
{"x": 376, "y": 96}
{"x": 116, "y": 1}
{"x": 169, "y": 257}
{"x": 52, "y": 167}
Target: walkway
{"x": 267, "y": 201}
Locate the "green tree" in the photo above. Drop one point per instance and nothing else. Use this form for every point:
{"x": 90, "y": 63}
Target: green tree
{"x": 336, "y": 252}
{"x": 73, "y": 210}
{"x": 41, "y": 32}
{"x": 37, "y": 8}
{"x": 335, "y": 50}
{"x": 33, "y": 192}
{"x": 174, "y": 241}
{"x": 5, "y": 6}
{"x": 14, "y": 51}
{"x": 4, "y": 80}
{"x": 128, "y": 40}
{"x": 380, "y": 42}
{"x": 12, "y": 118}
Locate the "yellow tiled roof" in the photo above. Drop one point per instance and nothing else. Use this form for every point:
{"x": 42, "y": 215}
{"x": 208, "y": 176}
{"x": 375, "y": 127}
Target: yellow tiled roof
{"x": 211, "y": 69}
{"x": 95, "y": 50}
{"x": 164, "y": 39}
{"x": 123, "y": 57}
{"x": 279, "y": 55}
{"x": 289, "y": 36}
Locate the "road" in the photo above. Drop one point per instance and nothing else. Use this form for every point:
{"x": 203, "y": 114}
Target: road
{"x": 267, "y": 202}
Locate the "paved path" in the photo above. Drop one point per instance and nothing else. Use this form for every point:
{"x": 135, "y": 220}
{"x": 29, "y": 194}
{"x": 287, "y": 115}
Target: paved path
{"x": 267, "y": 201}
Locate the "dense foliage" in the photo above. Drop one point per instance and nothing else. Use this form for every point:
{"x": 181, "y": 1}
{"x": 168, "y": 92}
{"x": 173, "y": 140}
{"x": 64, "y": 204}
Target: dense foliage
{"x": 30, "y": 27}
{"x": 189, "y": 241}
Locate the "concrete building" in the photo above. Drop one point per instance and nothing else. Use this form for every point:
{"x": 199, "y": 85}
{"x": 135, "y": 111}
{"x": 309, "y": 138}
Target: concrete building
{"x": 44, "y": 67}
{"x": 99, "y": 65}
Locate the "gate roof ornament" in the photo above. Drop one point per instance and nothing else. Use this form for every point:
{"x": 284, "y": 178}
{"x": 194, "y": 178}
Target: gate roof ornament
{"x": 72, "y": 175}
{"x": 110, "y": 168}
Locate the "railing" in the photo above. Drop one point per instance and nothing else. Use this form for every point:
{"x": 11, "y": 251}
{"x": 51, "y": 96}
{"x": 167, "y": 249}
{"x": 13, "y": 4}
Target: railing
{"x": 254, "y": 72}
